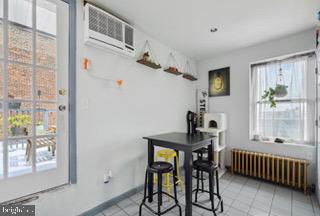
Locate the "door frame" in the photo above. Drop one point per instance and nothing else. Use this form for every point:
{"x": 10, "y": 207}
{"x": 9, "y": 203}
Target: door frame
{"x": 72, "y": 90}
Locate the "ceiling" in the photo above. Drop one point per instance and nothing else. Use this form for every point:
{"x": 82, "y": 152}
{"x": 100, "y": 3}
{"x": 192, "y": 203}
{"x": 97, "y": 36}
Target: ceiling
{"x": 185, "y": 24}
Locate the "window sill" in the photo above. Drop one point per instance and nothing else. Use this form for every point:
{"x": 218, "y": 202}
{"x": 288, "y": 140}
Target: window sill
{"x": 285, "y": 144}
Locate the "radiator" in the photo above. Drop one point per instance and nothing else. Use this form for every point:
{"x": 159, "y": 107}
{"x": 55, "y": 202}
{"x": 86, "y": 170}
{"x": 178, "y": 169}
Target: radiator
{"x": 278, "y": 169}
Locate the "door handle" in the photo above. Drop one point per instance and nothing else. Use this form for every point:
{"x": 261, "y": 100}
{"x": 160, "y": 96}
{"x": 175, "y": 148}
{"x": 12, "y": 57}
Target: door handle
{"x": 62, "y": 107}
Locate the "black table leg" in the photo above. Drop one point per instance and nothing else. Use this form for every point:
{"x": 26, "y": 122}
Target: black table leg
{"x": 175, "y": 171}
{"x": 150, "y": 176}
{"x": 210, "y": 151}
{"x": 188, "y": 181}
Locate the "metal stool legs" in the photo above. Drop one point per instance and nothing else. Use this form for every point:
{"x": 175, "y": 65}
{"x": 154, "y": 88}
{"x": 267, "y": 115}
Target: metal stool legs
{"x": 211, "y": 193}
{"x": 200, "y": 156}
{"x": 213, "y": 183}
{"x": 197, "y": 190}
{"x": 160, "y": 193}
{"x": 175, "y": 194}
{"x": 202, "y": 178}
{"x": 218, "y": 190}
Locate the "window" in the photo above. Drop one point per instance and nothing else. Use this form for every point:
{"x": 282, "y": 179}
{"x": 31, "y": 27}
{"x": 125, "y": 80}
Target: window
{"x": 292, "y": 118}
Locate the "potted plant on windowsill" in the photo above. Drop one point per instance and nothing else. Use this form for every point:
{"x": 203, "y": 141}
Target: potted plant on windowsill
{"x": 18, "y": 124}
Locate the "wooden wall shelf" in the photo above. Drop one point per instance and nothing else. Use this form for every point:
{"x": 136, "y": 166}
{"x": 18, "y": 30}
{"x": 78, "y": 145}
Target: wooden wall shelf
{"x": 189, "y": 77}
{"x": 149, "y": 64}
{"x": 172, "y": 71}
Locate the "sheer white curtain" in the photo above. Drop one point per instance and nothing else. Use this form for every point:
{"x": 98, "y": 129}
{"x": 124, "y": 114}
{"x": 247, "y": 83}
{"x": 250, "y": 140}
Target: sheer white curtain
{"x": 293, "y": 117}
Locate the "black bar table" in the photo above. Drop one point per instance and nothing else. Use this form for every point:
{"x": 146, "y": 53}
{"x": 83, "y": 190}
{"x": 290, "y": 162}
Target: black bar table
{"x": 181, "y": 142}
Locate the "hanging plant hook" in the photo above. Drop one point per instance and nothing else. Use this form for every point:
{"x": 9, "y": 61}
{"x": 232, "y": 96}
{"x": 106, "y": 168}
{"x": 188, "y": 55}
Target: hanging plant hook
{"x": 281, "y": 88}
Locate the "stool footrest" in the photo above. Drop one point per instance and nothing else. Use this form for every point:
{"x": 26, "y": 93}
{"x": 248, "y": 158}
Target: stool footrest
{"x": 163, "y": 192}
{"x": 209, "y": 209}
{"x": 164, "y": 211}
{"x": 199, "y": 178}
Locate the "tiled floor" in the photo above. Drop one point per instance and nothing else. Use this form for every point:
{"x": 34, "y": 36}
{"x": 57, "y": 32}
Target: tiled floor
{"x": 241, "y": 196}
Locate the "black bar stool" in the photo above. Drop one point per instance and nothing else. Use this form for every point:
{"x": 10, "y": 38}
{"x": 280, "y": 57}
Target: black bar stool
{"x": 212, "y": 169}
{"x": 200, "y": 156}
{"x": 159, "y": 168}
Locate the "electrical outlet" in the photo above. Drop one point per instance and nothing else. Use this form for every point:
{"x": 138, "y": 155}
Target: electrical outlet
{"x": 107, "y": 176}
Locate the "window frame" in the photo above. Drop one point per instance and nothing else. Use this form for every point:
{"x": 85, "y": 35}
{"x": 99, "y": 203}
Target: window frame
{"x": 251, "y": 117}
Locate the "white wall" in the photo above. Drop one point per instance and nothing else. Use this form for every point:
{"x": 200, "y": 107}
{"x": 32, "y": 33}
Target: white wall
{"x": 109, "y": 133}
{"x": 236, "y": 106}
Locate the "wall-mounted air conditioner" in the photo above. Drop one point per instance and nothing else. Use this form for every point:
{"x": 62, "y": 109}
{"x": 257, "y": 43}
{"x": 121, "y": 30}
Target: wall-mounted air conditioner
{"x": 104, "y": 30}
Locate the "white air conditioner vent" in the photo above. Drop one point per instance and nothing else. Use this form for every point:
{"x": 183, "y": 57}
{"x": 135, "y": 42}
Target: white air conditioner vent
{"x": 129, "y": 35}
{"x": 104, "y": 30}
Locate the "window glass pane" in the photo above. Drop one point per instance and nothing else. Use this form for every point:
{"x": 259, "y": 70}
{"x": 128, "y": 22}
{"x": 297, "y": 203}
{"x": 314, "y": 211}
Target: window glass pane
{"x": 19, "y": 157}
{"x": 285, "y": 121}
{"x": 294, "y": 76}
{"x": 46, "y": 36}
{"x": 20, "y": 43}
{"x": 20, "y": 119}
{"x": 46, "y": 117}
{"x": 20, "y": 12}
{"x": 20, "y": 82}
{"x": 46, "y": 17}
{"x": 46, "y": 50}
{"x": 46, "y": 153}
{"x": 46, "y": 85}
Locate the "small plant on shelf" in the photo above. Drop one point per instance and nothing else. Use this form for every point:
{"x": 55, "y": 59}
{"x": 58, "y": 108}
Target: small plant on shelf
{"x": 172, "y": 65}
{"x": 147, "y": 57}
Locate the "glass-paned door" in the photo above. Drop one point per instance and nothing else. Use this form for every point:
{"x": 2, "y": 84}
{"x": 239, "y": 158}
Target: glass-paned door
{"x": 33, "y": 96}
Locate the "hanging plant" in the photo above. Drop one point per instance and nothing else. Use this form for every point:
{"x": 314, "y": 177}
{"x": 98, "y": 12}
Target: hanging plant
{"x": 269, "y": 96}
{"x": 281, "y": 88}
{"x": 279, "y": 91}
